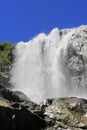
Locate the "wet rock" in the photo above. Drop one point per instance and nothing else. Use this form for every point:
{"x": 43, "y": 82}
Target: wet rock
{"x": 76, "y": 61}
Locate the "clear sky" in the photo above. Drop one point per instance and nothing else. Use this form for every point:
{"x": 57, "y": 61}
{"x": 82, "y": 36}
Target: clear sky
{"x": 21, "y": 20}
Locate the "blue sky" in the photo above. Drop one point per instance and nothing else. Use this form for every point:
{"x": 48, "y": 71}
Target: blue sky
{"x": 21, "y": 20}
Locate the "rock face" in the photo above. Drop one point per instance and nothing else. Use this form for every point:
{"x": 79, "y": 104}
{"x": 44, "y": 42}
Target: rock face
{"x": 76, "y": 62}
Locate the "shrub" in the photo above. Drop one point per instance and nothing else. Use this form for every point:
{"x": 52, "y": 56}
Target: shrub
{"x": 6, "y": 53}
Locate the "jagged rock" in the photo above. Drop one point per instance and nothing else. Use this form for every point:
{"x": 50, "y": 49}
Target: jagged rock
{"x": 65, "y": 113}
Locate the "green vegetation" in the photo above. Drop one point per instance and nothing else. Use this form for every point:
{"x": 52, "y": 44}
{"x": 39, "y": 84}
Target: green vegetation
{"x": 6, "y": 53}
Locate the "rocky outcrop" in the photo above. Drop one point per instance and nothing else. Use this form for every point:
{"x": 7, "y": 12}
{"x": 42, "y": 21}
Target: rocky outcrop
{"x": 65, "y": 113}
{"x": 52, "y": 114}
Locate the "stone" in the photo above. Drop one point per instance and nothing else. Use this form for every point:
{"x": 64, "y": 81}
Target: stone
{"x": 71, "y": 115}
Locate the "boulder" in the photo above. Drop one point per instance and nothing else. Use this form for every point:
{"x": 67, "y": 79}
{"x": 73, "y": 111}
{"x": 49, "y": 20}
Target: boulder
{"x": 65, "y": 113}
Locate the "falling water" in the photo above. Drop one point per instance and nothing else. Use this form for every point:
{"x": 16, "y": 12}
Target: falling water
{"x": 39, "y": 69}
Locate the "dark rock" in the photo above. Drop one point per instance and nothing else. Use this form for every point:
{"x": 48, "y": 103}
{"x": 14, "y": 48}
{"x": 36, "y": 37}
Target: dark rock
{"x": 6, "y": 121}
{"x": 12, "y": 118}
{"x": 26, "y": 120}
{"x": 10, "y": 95}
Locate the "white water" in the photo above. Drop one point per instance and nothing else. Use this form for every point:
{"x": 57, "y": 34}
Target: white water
{"x": 39, "y": 69}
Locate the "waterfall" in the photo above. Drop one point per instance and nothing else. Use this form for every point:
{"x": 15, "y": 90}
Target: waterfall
{"x": 43, "y": 68}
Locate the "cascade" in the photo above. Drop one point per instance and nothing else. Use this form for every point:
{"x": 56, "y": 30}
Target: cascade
{"x": 53, "y": 65}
